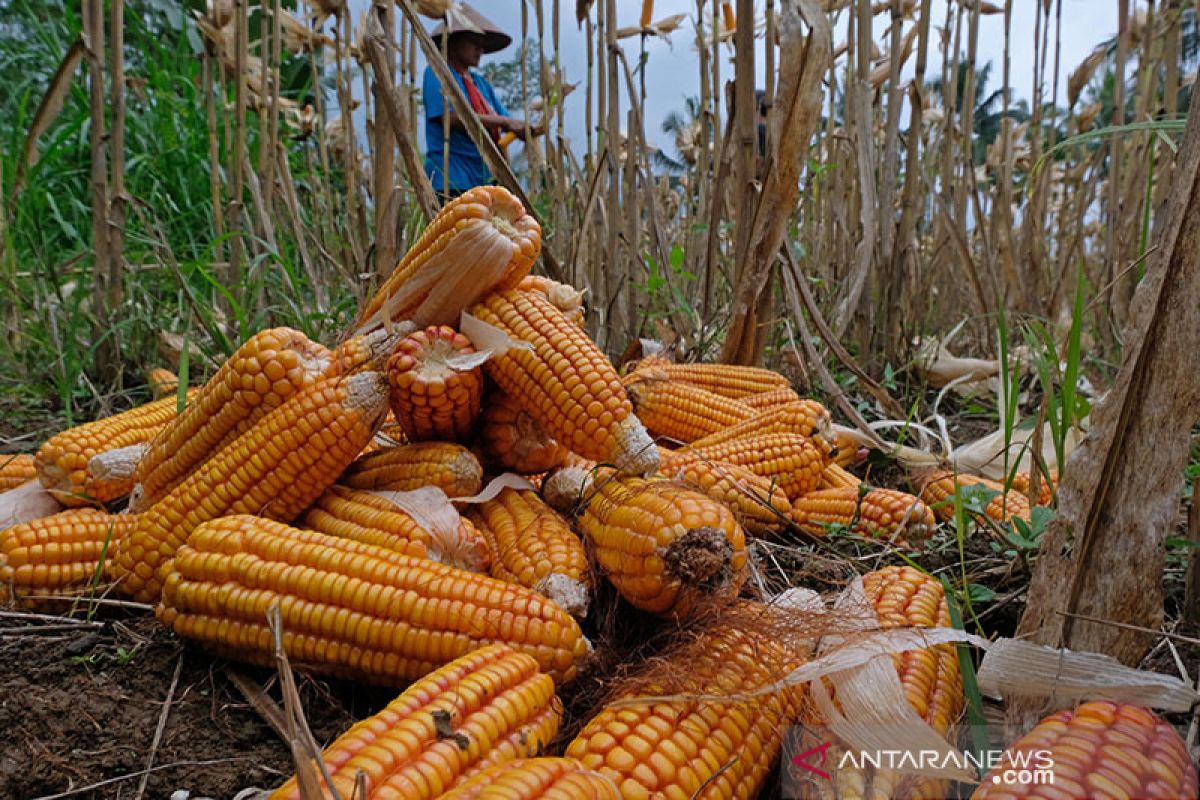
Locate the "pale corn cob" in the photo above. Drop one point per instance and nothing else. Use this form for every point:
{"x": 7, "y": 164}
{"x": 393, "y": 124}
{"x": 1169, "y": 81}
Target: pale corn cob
{"x": 761, "y": 508}
{"x": 804, "y": 417}
{"x": 162, "y": 383}
{"x": 536, "y": 548}
{"x": 480, "y": 240}
{"x": 665, "y": 549}
{"x": 939, "y": 487}
{"x": 884, "y": 514}
{"x": 62, "y": 462}
{"x": 566, "y": 298}
{"x": 765, "y": 401}
{"x": 436, "y": 385}
{"x": 265, "y": 372}
{"x": 15, "y": 470}
{"x": 451, "y": 467}
{"x": 543, "y": 778}
{"x": 836, "y": 476}
{"x": 793, "y": 462}
{"x": 275, "y": 468}
{"x": 513, "y": 440}
{"x": 565, "y": 488}
{"x": 1100, "y": 749}
{"x": 678, "y": 411}
{"x": 351, "y": 609}
{"x": 368, "y": 518}
{"x": 727, "y": 380}
{"x": 565, "y": 382}
{"x": 56, "y": 554}
{"x": 488, "y": 707}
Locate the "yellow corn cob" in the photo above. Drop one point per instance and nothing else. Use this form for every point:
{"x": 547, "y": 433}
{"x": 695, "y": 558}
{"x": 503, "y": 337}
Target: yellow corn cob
{"x": 698, "y": 748}
{"x": 276, "y": 468}
{"x": 56, "y": 554}
{"x": 665, "y": 549}
{"x": 939, "y": 487}
{"x": 836, "y": 476}
{"x": 1100, "y": 749}
{"x": 724, "y": 379}
{"x": 351, "y": 609}
{"x": 568, "y": 299}
{"x": 15, "y": 470}
{"x": 367, "y": 350}
{"x": 513, "y": 440}
{"x": 534, "y": 547}
{"x": 536, "y": 779}
{"x": 488, "y": 707}
{"x": 874, "y": 513}
{"x": 848, "y": 450}
{"x": 793, "y": 462}
{"x": 804, "y": 417}
{"x": 775, "y": 398}
{"x": 162, "y": 383}
{"x": 679, "y": 411}
{"x": 436, "y": 385}
{"x": 761, "y": 508}
{"x": 266, "y": 371}
{"x": 647, "y": 13}
{"x": 369, "y": 518}
{"x": 451, "y": 467}
{"x": 565, "y": 382}
{"x": 62, "y": 462}
{"x": 1022, "y": 481}
{"x": 480, "y": 240}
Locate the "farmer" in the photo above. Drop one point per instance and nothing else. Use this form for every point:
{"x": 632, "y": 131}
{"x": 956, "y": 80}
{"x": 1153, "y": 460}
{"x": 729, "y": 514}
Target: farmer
{"x": 471, "y": 35}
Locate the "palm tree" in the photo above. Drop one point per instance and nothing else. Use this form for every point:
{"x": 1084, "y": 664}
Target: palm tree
{"x": 989, "y": 113}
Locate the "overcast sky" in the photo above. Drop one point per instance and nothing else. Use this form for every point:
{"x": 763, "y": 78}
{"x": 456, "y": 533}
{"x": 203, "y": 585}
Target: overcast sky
{"x": 672, "y": 72}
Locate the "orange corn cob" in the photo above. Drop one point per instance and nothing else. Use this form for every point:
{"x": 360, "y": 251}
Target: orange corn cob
{"x": 836, "y": 476}
{"x": 1100, "y": 749}
{"x": 565, "y": 382}
{"x": 536, "y": 548}
{"x": 874, "y": 513}
{"x": 761, "y": 508}
{"x": 451, "y": 467}
{"x": 488, "y": 707}
{"x": 56, "y": 554}
{"x": 513, "y": 440}
{"x": 793, "y": 462}
{"x": 849, "y": 449}
{"x": 481, "y": 240}
{"x": 536, "y": 779}
{"x": 568, "y": 299}
{"x": 678, "y": 411}
{"x": 351, "y": 609}
{"x": 698, "y": 748}
{"x": 436, "y": 384}
{"x": 724, "y": 379}
{"x": 369, "y": 518}
{"x": 775, "y": 398}
{"x": 1022, "y": 481}
{"x": 939, "y": 488}
{"x": 367, "y": 350}
{"x": 804, "y": 417}
{"x": 729, "y": 22}
{"x": 265, "y": 372}
{"x": 275, "y": 468}
{"x": 647, "y": 13}
{"x": 162, "y": 383}
{"x": 665, "y": 549}
{"x": 62, "y": 462}
{"x": 16, "y": 470}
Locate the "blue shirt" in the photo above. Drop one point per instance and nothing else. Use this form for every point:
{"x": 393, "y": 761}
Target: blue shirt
{"x": 466, "y": 165}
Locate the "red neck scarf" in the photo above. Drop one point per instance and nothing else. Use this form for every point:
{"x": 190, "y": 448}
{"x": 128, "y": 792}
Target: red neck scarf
{"x": 478, "y": 103}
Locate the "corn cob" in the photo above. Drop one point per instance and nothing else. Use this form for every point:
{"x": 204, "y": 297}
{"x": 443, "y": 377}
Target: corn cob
{"x": 565, "y": 488}
{"x": 351, "y": 609}
{"x": 775, "y": 398}
{"x": 436, "y": 384}
{"x": 727, "y": 380}
{"x": 534, "y": 547}
{"x": 162, "y": 383}
{"x": 56, "y": 554}
{"x": 481, "y": 240}
{"x": 1100, "y": 749}
{"x": 275, "y": 468}
{"x": 16, "y": 470}
{"x": 487, "y": 707}
{"x": 697, "y": 748}
{"x": 666, "y": 550}
{"x": 513, "y": 440}
{"x": 62, "y": 462}
{"x": 847, "y": 449}
{"x": 793, "y": 462}
{"x": 536, "y": 779}
{"x": 266, "y": 371}
{"x": 939, "y": 488}
{"x": 566, "y": 298}
{"x": 367, "y": 350}
{"x": 647, "y": 13}
{"x": 804, "y": 417}
{"x": 565, "y": 382}
{"x": 836, "y": 476}
{"x": 874, "y": 513}
{"x": 451, "y": 467}
{"x": 1022, "y": 482}
{"x": 365, "y": 517}
{"x": 678, "y": 411}
{"x": 761, "y": 508}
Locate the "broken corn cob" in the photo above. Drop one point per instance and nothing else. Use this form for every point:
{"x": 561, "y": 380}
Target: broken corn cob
{"x": 1022, "y": 482}
{"x": 565, "y": 382}
{"x": 436, "y": 384}
{"x": 776, "y": 398}
{"x": 939, "y": 488}
{"x": 488, "y": 707}
{"x": 791, "y": 461}
{"x": 727, "y": 380}
{"x": 874, "y": 513}
{"x": 513, "y": 440}
{"x": 351, "y": 609}
{"x": 366, "y": 350}
{"x": 761, "y": 508}
{"x": 451, "y": 467}
{"x": 836, "y": 476}
{"x": 480, "y": 240}
{"x": 56, "y": 554}
{"x": 679, "y": 411}
{"x": 276, "y": 468}
{"x": 543, "y": 778}
{"x": 804, "y": 417}
{"x": 15, "y": 470}
{"x": 162, "y": 383}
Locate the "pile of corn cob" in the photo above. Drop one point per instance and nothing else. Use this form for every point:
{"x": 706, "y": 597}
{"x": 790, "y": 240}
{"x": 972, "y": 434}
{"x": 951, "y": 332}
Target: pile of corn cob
{"x": 350, "y": 489}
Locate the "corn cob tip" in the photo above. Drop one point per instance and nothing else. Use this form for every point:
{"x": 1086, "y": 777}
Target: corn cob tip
{"x": 368, "y": 392}
{"x": 567, "y": 593}
{"x": 635, "y": 452}
{"x": 565, "y": 487}
{"x": 116, "y": 465}
{"x": 700, "y": 556}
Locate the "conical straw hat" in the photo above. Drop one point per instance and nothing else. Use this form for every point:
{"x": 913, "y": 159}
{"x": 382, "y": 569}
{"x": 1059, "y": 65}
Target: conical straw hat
{"x": 462, "y": 18}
